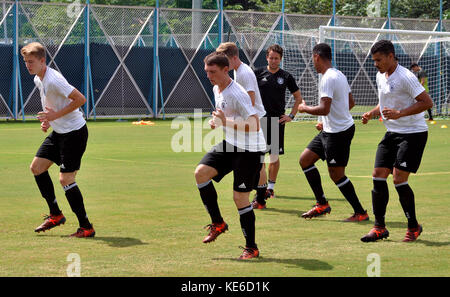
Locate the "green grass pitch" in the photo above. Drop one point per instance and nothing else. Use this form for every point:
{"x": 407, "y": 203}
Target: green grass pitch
{"x": 142, "y": 199}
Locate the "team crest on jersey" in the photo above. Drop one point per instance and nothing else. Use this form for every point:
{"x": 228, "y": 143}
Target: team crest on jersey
{"x": 391, "y": 86}
{"x": 280, "y": 80}
{"x": 221, "y": 105}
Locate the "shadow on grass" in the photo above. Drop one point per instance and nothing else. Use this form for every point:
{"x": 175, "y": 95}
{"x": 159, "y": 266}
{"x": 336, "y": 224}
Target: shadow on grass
{"x": 295, "y": 212}
{"x": 111, "y": 241}
{"x": 307, "y": 264}
{"x": 310, "y": 198}
{"x": 432, "y": 243}
{"x": 120, "y": 241}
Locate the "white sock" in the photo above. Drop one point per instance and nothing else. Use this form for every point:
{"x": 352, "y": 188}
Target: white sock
{"x": 271, "y": 185}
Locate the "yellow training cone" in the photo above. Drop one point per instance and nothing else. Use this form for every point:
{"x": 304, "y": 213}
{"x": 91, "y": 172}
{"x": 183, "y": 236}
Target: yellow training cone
{"x": 143, "y": 123}
{"x": 444, "y": 126}
{"x": 432, "y": 122}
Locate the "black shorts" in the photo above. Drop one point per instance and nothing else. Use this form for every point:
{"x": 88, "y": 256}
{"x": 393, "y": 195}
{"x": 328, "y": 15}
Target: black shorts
{"x": 402, "y": 151}
{"x": 245, "y": 165}
{"x": 65, "y": 150}
{"x": 333, "y": 147}
{"x": 274, "y": 135}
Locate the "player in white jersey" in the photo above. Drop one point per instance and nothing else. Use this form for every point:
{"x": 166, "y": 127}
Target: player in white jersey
{"x": 402, "y": 102}
{"x": 66, "y": 143}
{"x": 334, "y": 139}
{"x": 246, "y": 77}
{"x": 241, "y": 152}
{"x": 243, "y": 75}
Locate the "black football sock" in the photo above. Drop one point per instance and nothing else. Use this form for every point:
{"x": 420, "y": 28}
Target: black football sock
{"x": 313, "y": 177}
{"x": 406, "y": 196}
{"x": 47, "y": 190}
{"x": 261, "y": 194}
{"x": 380, "y": 199}
{"x": 247, "y": 219}
{"x": 75, "y": 199}
{"x": 348, "y": 190}
{"x": 209, "y": 197}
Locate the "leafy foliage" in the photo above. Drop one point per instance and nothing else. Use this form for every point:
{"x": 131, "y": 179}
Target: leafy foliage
{"x": 399, "y": 8}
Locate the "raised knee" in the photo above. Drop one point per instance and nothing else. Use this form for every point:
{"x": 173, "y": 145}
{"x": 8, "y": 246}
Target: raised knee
{"x": 302, "y": 162}
{"x": 35, "y": 169}
{"x": 199, "y": 173}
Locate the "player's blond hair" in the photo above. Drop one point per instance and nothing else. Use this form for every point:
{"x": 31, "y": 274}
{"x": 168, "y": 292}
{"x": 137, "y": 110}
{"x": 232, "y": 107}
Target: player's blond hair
{"x": 33, "y": 49}
{"x": 230, "y": 49}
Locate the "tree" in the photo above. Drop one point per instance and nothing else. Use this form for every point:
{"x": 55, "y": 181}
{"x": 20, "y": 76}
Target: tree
{"x": 422, "y": 9}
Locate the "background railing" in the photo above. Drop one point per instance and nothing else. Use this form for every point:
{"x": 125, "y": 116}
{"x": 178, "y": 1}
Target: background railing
{"x": 148, "y": 61}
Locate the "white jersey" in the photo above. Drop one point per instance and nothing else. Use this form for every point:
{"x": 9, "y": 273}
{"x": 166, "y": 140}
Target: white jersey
{"x": 334, "y": 85}
{"x": 236, "y": 104}
{"x": 54, "y": 90}
{"x": 398, "y": 92}
{"x": 245, "y": 76}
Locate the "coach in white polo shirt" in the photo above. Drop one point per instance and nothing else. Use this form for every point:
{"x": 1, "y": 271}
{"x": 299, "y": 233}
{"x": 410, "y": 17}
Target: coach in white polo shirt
{"x": 402, "y": 102}
{"x": 332, "y": 144}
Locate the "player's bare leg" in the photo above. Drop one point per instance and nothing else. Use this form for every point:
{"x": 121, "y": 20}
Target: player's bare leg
{"x": 274, "y": 167}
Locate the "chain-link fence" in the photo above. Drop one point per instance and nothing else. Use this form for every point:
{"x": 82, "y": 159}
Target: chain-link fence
{"x": 148, "y": 62}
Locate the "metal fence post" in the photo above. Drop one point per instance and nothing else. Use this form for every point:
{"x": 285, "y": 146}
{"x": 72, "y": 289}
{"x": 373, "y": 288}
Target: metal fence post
{"x": 15, "y": 50}
{"x": 220, "y": 35}
{"x": 333, "y": 23}
{"x": 388, "y": 15}
{"x": 155, "y": 59}
{"x": 442, "y": 93}
{"x": 16, "y": 82}
{"x": 86, "y": 58}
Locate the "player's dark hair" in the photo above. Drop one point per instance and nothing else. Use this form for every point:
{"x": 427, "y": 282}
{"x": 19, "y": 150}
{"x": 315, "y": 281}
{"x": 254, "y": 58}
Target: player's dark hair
{"x": 383, "y": 46}
{"x": 323, "y": 50}
{"x": 275, "y": 48}
{"x": 218, "y": 59}
{"x": 413, "y": 65}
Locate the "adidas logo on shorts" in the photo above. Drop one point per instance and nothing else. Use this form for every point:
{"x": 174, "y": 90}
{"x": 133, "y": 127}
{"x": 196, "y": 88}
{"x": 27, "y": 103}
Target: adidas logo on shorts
{"x": 403, "y": 164}
{"x": 242, "y": 186}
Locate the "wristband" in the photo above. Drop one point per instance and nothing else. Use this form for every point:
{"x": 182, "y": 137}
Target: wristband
{"x": 291, "y": 116}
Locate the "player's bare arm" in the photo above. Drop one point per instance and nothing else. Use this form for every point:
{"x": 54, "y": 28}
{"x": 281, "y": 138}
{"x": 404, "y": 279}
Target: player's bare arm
{"x": 423, "y": 103}
{"x": 351, "y": 101}
{"x": 45, "y": 125}
{"x": 322, "y": 109}
{"x": 252, "y": 97}
{"x": 49, "y": 114}
{"x": 298, "y": 100}
{"x": 249, "y": 125}
{"x": 370, "y": 114}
